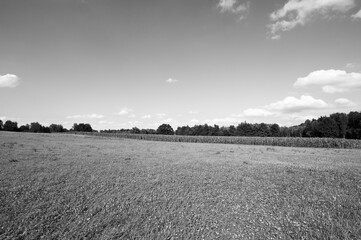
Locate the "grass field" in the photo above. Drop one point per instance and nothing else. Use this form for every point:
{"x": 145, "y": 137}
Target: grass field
{"x": 62, "y": 186}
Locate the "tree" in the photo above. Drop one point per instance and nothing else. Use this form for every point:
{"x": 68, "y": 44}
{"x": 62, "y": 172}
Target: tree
{"x": 36, "y": 127}
{"x": 1, "y": 125}
{"x": 275, "y": 130}
{"x": 56, "y": 128}
{"x": 82, "y": 127}
{"x": 232, "y": 130}
{"x": 24, "y": 128}
{"x": 165, "y": 129}
{"x": 245, "y": 129}
{"x": 354, "y": 125}
{"x": 135, "y": 130}
{"x": 341, "y": 120}
{"x": 11, "y": 126}
{"x": 327, "y": 127}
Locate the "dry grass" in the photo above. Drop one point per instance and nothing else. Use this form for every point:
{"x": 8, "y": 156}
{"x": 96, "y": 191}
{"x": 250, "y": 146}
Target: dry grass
{"x": 85, "y": 187}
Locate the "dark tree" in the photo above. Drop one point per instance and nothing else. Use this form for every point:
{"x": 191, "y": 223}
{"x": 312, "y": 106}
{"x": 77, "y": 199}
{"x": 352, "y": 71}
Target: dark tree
{"x": 147, "y": 131}
{"x": 214, "y": 131}
{"x": 11, "y": 126}
{"x": 135, "y": 130}
{"x": 327, "y": 127}
{"x": 232, "y": 130}
{"x": 245, "y": 129}
{"x": 24, "y": 128}
{"x": 275, "y": 130}
{"x": 310, "y": 128}
{"x": 165, "y": 129}
{"x": 354, "y": 125}
{"x": 224, "y": 131}
{"x": 56, "y": 128}
{"x": 82, "y": 127}
{"x": 36, "y": 127}
{"x": 1, "y": 125}
{"x": 341, "y": 120}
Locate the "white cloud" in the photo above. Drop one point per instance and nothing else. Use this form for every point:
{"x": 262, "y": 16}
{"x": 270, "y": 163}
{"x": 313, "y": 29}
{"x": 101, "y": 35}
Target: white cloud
{"x": 299, "y": 12}
{"x": 292, "y": 104}
{"x": 351, "y": 65}
{"x": 345, "y": 102}
{"x": 3, "y": 118}
{"x": 168, "y": 120}
{"x": 193, "y": 112}
{"x": 288, "y": 106}
{"x": 194, "y": 121}
{"x": 171, "y": 80}
{"x": 357, "y": 15}
{"x": 147, "y": 116}
{"x": 331, "y": 81}
{"x": 160, "y": 115}
{"x": 256, "y": 112}
{"x": 9, "y": 80}
{"x": 124, "y": 111}
{"x": 222, "y": 121}
{"x": 88, "y": 116}
{"x": 106, "y": 122}
{"x": 234, "y": 6}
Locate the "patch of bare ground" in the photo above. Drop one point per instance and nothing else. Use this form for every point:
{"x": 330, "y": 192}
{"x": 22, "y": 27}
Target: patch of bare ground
{"x": 56, "y": 186}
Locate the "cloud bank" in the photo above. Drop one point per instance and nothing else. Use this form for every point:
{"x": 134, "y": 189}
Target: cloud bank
{"x": 331, "y": 81}
{"x": 9, "y": 80}
{"x": 299, "y": 12}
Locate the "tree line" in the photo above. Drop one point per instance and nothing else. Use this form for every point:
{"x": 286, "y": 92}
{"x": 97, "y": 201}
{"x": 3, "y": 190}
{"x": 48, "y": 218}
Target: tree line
{"x": 337, "y": 125}
{"x": 36, "y": 127}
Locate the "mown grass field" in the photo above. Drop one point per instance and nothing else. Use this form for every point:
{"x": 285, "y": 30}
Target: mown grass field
{"x": 61, "y": 186}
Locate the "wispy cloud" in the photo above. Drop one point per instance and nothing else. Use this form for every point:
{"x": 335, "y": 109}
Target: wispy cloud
{"x": 331, "y": 81}
{"x": 344, "y": 102}
{"x": 124, "y": 111}
{"x": 257, "y": 112}
{"x": 106, "y": 122}
{"x": 222, "y": 121}
{"x": 234, "y": 6}
{"x": 160, "y": 115}
{"x": 9, "y": 80}
{"x": 299, "y": 12}
{"x": 171, "y": 80}
{"x": 193, "y": 112}
{"x": 357, "y": 15}
{"x": 147, "y": 116}
{"x": 85, "y": 116}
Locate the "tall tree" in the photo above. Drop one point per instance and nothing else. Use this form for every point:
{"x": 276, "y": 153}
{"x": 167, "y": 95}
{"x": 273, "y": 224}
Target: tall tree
{"x": 10, "y": 126}
{"x": 1, "y": 125}
{"x": 341, "y": 120}
{"x": 36, "y": 127}
{"x": 327, "y": 127}
{"x": 275, "y": 130}
{"x": 165, "y": 129}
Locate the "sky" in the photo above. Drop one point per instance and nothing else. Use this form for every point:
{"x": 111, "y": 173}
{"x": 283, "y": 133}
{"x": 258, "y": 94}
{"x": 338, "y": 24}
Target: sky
{"x": 141, "y": 63}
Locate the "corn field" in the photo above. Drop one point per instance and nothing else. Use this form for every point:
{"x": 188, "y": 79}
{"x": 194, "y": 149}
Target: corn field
{"x": 268, "y": 141}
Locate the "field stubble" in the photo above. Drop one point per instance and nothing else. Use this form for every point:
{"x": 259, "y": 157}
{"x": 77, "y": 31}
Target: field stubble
{"x": 86, "y": 187}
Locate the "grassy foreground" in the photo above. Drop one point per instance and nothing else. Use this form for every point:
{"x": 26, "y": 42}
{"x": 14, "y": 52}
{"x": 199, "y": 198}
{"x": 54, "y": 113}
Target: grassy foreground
{"x": 61, "y": 186}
